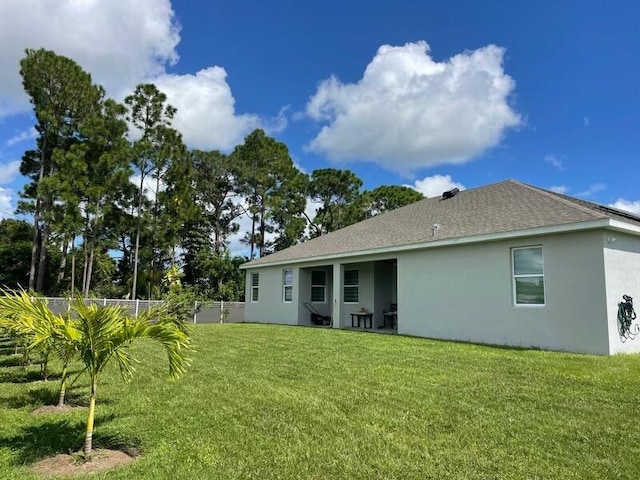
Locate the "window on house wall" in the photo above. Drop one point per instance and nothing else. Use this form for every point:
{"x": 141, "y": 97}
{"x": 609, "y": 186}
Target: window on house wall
{"x": 287, "y": 285}
{"x": 528, "y": 276}
{"x": 318, "y": 286}
{"x": 351, "y": 287}
{"x": 255, "y": 287}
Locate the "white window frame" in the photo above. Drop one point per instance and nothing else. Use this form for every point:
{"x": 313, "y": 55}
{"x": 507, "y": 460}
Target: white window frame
{"x": 344, "y": 286}
{"x": 323, "y": 286}
{"x": 287, "y": 286}
{"x": 256, "y": 287}
{"x": 527, "y": 275}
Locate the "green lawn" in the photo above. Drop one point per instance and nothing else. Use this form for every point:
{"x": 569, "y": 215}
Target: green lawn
{"x": 286, "y": 402}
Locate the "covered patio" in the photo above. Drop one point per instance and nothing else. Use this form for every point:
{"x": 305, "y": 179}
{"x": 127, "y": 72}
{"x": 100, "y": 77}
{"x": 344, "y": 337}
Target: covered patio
{"x": 359, "y": 295}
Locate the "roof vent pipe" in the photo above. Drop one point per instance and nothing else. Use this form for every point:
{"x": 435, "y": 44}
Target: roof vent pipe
{"x": 450, "y": 193}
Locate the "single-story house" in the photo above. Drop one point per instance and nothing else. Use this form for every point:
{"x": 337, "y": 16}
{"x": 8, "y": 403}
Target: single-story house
{"x": 506, "y": 264}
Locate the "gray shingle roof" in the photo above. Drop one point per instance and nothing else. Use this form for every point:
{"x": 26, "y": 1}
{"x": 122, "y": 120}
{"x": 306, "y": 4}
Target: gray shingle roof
{"x": 507, "y": 206}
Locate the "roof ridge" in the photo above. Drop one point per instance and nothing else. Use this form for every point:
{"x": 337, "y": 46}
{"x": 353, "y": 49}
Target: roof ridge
{"x": 506, "y": 208}
{"x": 566, "y": 199}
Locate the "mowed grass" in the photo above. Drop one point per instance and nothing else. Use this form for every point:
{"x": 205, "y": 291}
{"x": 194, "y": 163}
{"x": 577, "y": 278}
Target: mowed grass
{"x": 295, "y": 403}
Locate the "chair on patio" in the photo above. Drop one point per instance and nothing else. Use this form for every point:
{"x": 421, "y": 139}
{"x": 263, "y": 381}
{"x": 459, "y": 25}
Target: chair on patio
{"x": 390, "y": 316}
{"x": 317, "y": 318}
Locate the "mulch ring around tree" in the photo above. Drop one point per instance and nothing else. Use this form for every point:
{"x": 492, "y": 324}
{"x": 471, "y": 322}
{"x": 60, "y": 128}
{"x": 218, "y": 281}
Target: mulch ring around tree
{"x": 69, "y": 465}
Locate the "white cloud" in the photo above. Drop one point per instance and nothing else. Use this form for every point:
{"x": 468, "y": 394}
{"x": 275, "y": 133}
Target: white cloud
{"x": 434, "y": 186}
{"x": 206, "y": 114}
{"x": 562, "y": 189}
{"x": 594, "y": 188}
{"x": 627, "y": 205}
{"x": 6, "y": 206}
{"x": 585, "y": 121}
{"x": 235, "y": 244}
{"x": 28, "y": 134}
{"x": 149, "y": 186}
{"x": 236, "y": 247}
{"x": 409, "y": 111}
{"x": 9, "y": 171}
{"x": 123, "y": 43}
{"x": 554, "y": 161}
{"x": 310, "y": 210}
{"x": 119, "y": 43}
{"x": 300, "y": 167}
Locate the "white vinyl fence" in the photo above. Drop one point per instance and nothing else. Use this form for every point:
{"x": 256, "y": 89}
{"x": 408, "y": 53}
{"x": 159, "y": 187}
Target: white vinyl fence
{"x": 208, "y": 312}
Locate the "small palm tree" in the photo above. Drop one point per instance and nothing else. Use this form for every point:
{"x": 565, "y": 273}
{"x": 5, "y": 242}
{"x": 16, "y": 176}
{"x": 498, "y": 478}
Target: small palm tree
{"x": 31, "y": 319}
{"x": 97, "y": 335}
{"x": 105, "y": 333}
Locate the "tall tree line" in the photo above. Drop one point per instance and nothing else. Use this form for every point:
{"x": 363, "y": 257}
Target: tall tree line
{"x": 118, "y": 200}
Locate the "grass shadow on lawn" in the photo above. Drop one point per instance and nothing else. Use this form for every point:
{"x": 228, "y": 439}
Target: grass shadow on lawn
{"x": 13, "y": 361}
{"x": 46, "y": 396}
{"x": 61, "y": 435}
{"x": 27, "y": 377}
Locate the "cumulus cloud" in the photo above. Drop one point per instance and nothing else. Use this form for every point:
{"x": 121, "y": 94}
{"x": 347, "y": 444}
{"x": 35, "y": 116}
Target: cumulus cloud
{"x": 9, "y": 171}
{"x": 23, "y": 136}
{"x": 554, "y": 161}
{"x": 123, "y": 43}
{"x": 6, "y": 206}
{"x": 562, "y": 189}
{"x": 119, "y": 43}
{"x": 592, "y": 189}
{"x": 434, "y": 186}
{"x": 627, "y": 205}
{"x": 149, "y": 186}
{"x": 237, "y": 247}
{"x": 409, "y": 111}
{"x": 235, "y": 242}
{"x": 206, "y": 114}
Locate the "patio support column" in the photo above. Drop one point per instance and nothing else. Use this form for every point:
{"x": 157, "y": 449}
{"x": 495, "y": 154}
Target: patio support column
{"x": 336, "y": 313}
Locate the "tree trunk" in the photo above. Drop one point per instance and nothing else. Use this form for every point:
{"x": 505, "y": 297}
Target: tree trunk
{"x": 262, "y": 228}
{"x": 252, "y": 240}
{"x": 63, "y": 386}
{"x": 154, "y": 247}
{"x": 87, "y": 286}
{"x": 216, "y": 239}
{"x": 134, "y": 287}
{"x": 42, "y": 264}
{"x": 86, "y": 264}
{"x": 88, "y": 439}
{"x": 36, "y": 222}
{"x": 63, "y": 262}
{"x": 253, "y": 223}
{"x": 44, "y": 240}
{"x": 44, "y": 367}
{"x": 73, "y": 268}
{"x": 34, "y": 249}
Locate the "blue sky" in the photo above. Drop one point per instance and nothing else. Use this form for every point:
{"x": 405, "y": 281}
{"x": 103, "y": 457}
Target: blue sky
{"x": 432, "y": 94}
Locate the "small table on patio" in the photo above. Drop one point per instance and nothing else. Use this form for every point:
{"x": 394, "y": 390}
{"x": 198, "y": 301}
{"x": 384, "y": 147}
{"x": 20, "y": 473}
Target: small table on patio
{"x": 362, "y": 316}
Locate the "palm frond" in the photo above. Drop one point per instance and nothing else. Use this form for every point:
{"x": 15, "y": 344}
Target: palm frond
{"x": 108, "y": 331}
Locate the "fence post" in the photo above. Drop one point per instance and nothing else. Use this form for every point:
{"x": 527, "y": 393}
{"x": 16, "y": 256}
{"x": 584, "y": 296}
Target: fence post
{"x": 195, "y": 312}
{"x": 137, "y": 306}
{"x": 104, "y": 302}
{"x": 221, "y": 311}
